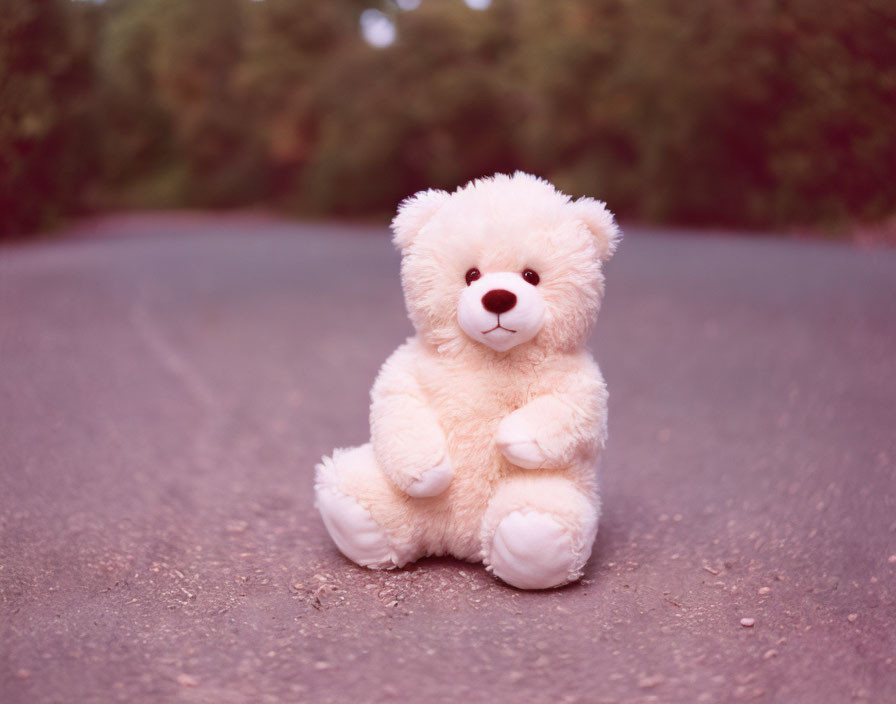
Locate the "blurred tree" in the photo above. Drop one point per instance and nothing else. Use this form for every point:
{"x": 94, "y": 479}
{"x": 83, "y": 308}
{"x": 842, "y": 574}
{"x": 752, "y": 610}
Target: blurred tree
{"x": 169, "y": 67}
{"x": 138, "y": 130}
{"x": 575, "y": 108}
{"x": 758, "y": 112}
{"x": 195, "y": 80}
{"x": 432, "y": 110}
{"x": 289, "y": 46}
{"x": 46, "y": 108}
{"x": 833, "y": 149}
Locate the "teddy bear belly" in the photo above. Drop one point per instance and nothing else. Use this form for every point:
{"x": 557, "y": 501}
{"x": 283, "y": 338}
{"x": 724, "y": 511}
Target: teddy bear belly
{"x": 471, "y": 425}
{"x": 474, "y": 454}
{"x": 455, "y": 519}
{"x": 479, "y": 470}
{"x": 457, "y": 513}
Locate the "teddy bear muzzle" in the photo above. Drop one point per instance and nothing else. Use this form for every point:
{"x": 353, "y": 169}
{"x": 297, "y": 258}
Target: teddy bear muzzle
{"x": 500, "y": 310}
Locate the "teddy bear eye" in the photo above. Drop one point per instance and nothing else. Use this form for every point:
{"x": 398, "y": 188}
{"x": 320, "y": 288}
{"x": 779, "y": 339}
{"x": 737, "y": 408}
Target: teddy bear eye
{"x": 531, "y": 277}
{"x": 472, "y": 275}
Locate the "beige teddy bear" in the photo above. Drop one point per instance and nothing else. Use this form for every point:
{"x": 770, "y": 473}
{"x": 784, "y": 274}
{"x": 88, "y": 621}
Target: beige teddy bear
{"x": 486, "y": 426}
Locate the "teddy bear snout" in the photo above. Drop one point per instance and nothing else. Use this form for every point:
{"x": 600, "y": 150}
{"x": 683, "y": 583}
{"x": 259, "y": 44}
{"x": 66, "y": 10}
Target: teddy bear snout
{"x": 498, "y": 301}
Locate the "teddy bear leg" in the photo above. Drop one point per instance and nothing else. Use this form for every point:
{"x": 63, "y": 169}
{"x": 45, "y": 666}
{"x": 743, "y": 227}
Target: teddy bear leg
{"x": 538, "y": 531}
{"x": 357, "y": 502}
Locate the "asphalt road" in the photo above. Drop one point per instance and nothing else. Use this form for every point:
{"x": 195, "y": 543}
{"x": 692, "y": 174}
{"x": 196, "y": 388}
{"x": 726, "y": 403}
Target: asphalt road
{"x": 168, "y": 382}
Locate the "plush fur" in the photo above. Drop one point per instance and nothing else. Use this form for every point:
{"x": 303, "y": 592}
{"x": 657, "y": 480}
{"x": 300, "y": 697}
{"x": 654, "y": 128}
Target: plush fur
{"x": 484, "y": 446}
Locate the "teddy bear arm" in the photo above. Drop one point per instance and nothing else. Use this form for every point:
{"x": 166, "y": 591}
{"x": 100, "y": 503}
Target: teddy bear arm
{"x": 407, "y": 439}
{"x": 551, "y": 430}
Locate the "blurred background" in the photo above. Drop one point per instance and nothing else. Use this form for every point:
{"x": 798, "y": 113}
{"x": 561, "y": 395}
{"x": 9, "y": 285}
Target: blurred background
{"x": 753, "y": 114}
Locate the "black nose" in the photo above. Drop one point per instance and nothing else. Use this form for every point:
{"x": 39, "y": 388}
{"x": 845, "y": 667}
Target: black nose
{"x": 499, "y": 301}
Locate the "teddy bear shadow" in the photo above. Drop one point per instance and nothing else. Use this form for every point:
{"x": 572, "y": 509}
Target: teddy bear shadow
{"x": 439, "y": 567}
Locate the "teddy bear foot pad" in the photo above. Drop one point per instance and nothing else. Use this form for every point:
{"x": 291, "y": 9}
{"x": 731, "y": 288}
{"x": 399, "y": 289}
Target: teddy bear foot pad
{"x": 532, "y": 550}
{"x": 354, "y": 531}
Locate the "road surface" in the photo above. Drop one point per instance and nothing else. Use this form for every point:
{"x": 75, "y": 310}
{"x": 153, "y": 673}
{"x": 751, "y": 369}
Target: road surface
{"x": 167, "y": 383}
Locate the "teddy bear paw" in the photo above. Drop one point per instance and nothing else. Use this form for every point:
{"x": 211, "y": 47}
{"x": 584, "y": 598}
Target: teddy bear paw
{"x": 354, "y": 531}
{"x": 432, "y": 481}
{"x": 517, "y": 443}
{"x": 532, "y": 550}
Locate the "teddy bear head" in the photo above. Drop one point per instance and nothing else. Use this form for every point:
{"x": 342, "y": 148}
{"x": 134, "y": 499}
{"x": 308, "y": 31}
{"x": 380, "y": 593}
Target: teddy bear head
{"x": 503, "y": 263}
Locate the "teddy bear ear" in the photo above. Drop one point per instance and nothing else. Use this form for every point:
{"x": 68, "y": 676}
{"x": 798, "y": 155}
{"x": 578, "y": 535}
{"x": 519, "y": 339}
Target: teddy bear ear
{"x": 414, "y": 213}
{"x": 601, "y": 222}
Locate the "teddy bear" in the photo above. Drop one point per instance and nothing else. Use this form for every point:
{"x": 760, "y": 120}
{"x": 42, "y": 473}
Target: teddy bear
{"x": 487, "y": 425}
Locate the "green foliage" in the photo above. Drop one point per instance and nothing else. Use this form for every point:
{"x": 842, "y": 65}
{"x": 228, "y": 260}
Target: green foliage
{"x": 48, "y": 149}
{"x": 758, "y": 113}
{"x": 169, "y": 69}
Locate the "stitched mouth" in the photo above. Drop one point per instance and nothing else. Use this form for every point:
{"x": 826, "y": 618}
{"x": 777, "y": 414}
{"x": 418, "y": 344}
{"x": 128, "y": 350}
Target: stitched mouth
{"x": 498, "y": 327}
